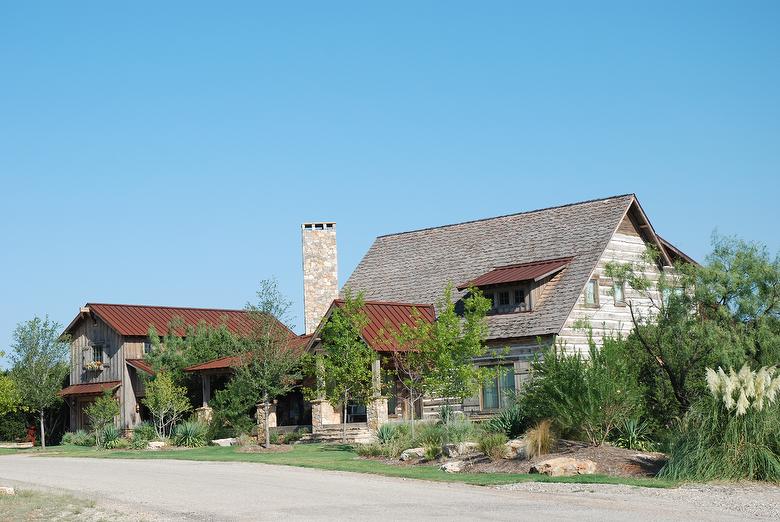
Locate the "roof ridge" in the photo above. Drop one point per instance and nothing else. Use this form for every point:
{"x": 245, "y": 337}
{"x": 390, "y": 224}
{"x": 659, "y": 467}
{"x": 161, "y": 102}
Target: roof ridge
{"x": 388, "y": 303}
{"x": 510, "y": 215}
{"x": 540, "y": 262}
{"x": 170, "y": 307}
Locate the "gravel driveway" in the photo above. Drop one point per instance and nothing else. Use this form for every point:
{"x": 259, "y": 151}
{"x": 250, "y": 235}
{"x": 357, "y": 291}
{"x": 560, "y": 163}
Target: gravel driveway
{"x": 184, "y": 490}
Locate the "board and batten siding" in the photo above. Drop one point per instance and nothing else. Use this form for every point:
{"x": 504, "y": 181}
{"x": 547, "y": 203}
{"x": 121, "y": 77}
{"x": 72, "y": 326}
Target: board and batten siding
{"x": 116, "y": 350}
{"x": 609, "y": 318}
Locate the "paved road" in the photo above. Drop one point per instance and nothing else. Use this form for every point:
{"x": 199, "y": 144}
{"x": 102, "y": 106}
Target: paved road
{"x": 182, "y": 490}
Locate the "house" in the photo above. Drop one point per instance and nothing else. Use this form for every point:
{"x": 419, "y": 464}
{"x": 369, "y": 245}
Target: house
{"x": 544, "y": 271}
{"x": 108, "y": 343}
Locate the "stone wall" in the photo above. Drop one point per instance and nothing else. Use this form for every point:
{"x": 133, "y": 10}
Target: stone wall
{"x": 320, "y": 271}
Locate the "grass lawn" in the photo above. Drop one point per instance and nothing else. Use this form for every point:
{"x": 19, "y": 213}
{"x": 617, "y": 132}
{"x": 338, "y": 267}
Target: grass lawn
{"x": 336, "y": 458}
{"x": 33, "y": 505}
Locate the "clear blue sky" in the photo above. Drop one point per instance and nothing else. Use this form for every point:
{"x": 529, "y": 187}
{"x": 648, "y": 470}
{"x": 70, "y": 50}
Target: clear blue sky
{"x": 166, "y": 153}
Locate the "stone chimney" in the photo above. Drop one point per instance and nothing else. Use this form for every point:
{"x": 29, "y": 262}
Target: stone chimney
{"x": 320, "y": 271}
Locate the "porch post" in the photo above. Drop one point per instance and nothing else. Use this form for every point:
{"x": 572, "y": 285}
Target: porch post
{"x": 204, "y": 413}
{"x": 376, "y": 410}
{"x": 322, "y": 411}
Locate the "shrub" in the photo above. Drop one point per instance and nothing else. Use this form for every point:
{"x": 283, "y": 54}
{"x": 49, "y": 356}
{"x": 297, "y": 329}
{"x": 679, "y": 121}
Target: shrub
{"x": 145, "y": 431}
{"x": 67, "y": 438}
{"x": 731, "y": 434}
{"x": 429, "y": 434}
{"x": 82, "y": 438}
{"x": 245, "y": 439}
{"x": 635, "y": 435}
{"x": 191, "y": 434}
{"x": 387, "y": 432}
{"x": 510, "y": 421}
{"x": 293, "y": 436}
{"x": 109, "y": 437}
{"x": 540, "y": 439}
{"x": 102, "y": 413}
{"x": 369, "y": 450}
{"x": 585, "y": 396}
{"x": 167, "y": 402}
{"x": 432, "y": 452}
{"x": 493, "y": 445}
{"x": 459, "y": 430}
{"x": 274, "y": 438}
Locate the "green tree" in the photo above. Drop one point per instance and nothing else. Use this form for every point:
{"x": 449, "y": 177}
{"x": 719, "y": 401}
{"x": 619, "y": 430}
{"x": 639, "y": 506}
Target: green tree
{"x": 723, "y": 313}
{"x": 101, "y": 413}
{"x": 167, "y": 402}
{"x": 343, "y": 367}
{"x": 271, "y": 364}
{"x": 452, "y": 344}
{"x": 39, "y": 365}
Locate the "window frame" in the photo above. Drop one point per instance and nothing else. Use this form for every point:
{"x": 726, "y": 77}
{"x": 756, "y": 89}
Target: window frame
{"x": 622, "y": 286}
{"x": 497, "y": 381}
{"x": 98, "y": 348}
{"x": 595, "y": 304}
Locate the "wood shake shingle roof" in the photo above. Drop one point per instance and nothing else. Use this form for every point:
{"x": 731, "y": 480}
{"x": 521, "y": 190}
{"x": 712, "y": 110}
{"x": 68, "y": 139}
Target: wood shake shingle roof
{"x": 417, "y": 266}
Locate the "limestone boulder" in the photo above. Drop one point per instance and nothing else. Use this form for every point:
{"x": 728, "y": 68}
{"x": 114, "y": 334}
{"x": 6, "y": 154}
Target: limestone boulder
{"x": 412, "y": 453}
{"x": 155, "y": 445}
{"x": 6, "y": 490}
{"x": 564, "y": 467}
{"x": 453, "y": 466}
{"x": 515, "y": 449}
{"x": 232, "y": 441}
{"x": 461, "y": 448}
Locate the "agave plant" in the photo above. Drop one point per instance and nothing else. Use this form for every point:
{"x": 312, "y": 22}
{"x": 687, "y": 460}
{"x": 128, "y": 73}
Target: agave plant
{"x": 191, "y": 434}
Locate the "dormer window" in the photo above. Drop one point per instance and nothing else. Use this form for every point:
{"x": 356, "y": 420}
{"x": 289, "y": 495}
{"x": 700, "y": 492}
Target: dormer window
{"x": 509, "y": 288}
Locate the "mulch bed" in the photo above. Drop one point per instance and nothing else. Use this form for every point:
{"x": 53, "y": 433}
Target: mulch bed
{"x": 610, "y": 460}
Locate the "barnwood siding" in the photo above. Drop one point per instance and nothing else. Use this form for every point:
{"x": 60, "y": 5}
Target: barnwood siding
{"x": 116, "y": 350}
{"x": 519, "y": 353}
{"x": 626, "y": 246}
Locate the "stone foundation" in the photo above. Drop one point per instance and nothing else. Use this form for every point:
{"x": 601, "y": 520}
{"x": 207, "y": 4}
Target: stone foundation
{"x": 261, "y": 426}
{"x": 204, "y": 414}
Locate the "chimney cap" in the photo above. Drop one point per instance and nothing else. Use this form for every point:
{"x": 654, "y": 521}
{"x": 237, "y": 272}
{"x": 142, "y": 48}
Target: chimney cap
{"x": 318, "y": 225}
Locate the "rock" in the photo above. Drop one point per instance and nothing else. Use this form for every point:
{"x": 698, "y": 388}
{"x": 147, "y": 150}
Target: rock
{"x": 462, "y": 448}
{"x": 232, "y": 441}
{"x": 5, "y": 490}
{"x": 564, "y": 467}
{"x": 515, "y": 449}
{"x": 413, "y": 453}
{"x": 453, "y": 466}
{"x": 155, "y": 445}
{"x": 16, "y": 445}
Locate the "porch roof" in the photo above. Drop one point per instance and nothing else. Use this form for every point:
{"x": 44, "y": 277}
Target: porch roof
{"x": 95, "y": 388}
{"x": 141, "y": 364}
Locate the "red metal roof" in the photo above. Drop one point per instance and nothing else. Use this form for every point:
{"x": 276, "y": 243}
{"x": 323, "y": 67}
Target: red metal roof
{"x": 135, "y": 320}
{"x": 523, "y": 272}
{"x": 88, "y": 389}
{"x": 141, "y": 364}
{"x": 232, "y": 361}
{"x": 385, "y": 319}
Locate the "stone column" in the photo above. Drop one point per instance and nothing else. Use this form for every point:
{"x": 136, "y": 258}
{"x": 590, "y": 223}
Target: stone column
{"x": 261, "y": 427}
{"x": 322, "y": 413}
{"x": 376, "y": 409}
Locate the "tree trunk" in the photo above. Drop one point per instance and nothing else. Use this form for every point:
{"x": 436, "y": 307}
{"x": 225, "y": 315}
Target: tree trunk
{"x": 344, "y": 421}
{"x": 411, "y": 417}
{"x": 43, "y": 432}
{"x": 266, "y": 415}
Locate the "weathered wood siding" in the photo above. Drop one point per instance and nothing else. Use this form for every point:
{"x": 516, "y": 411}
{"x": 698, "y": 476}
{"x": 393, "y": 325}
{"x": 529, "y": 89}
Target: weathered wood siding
{"x": 520, "y": 354}
{"x": 609, "y": 318}
{"x": 116, "y": 350}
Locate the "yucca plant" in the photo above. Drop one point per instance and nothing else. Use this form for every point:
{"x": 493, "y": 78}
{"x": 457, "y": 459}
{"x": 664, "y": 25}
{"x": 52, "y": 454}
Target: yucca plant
{"x": 510, "y": 421}
{"x": 634, "y": 434}
{"x": 732, "y": 434}
{"x": 191, "y": 434}
{"x": 386, "y": 433}
{"x": 109, "y": 437}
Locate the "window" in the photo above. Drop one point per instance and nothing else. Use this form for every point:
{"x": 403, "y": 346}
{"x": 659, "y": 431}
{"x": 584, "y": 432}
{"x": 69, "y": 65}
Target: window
{"x": 519, "y": 296}
{"x": 492, "y": 300}
{"x": 147, "y": 347}
{"x": 496, "y": 392}
{"x": 618, "y": 290}
{"x": 97, "y": 353}
{"x": 503, "y": 298}
{"x": 592, "y": 293}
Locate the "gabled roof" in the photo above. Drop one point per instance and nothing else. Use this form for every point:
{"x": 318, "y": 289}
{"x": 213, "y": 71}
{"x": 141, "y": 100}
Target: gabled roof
{"x": 417, "y": 266}
{"x": 95, "y": 388}
{"x": 384, "y": 320}
{"x": 534, "y": 271}
{"x": 135, "y": 320}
